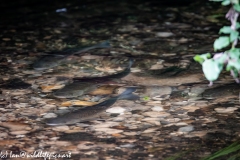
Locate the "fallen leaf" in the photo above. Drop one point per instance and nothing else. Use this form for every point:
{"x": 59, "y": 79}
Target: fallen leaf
{"x": 77, "y": 103}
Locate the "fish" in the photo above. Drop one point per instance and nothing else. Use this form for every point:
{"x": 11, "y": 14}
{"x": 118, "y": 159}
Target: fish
{"x": 92, "y": 112}
{"x": 183, "y": 78}
{"x": 50, "y": 61}
{"x": 81, "y": 86}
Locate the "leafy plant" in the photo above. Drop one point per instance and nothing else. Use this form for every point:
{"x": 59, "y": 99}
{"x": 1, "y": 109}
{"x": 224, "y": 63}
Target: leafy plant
{"x": 233, "y": 148}
{"x": 212, "y": 67}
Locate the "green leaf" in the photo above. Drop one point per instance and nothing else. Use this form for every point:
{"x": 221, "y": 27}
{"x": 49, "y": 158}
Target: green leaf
{"x": 221, "y": 59}
{"x": 221, "y": 42}
{"x": 216, "y": 0}
{"x": 233, "y": 64}
{"x": 226, "y": 2}
{"x": 234, "y": 53}
{"x": 235, "y": 73}
{"x": 206, "y": 56}
{"x": 237, "y": 25}
{"x": 225, "y": 29}
{"x": 235, "y": 1}
{"x": 236, "y": 7}
{"x": 198, "y": 59}
{"x": 225, "y": 151}
{"x": 202, "y": 58}
{"x": 234, "y": 35}
{"x": 211, "y": 69}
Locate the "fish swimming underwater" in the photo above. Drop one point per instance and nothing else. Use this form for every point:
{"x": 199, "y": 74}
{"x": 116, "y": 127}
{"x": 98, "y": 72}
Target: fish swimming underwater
{"x": 82, "y": 86}
{"x": 50, "y": 61}
{"x": 92, "y": 112}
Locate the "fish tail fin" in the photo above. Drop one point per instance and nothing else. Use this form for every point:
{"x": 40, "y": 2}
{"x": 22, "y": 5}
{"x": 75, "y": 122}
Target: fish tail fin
{"x": 127, "y": 94}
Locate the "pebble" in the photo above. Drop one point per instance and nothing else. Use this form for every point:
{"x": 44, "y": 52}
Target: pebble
{"x": 157, "y": 108}
{"x": 209, "y": 120}
{"x": 118, "y": 119}
{"x": 147, "y": 119}
{"x": 188, "y": 128}
{"x": 137, "y": 116}
{"x": 172, "y": 120}
{"x": 19, "y": 132}
{"x": 153, "y": 103}
{"x": 150, "y": 130}
{"x": 118, "y": 110}
{"x": 58, "y": 143}
{"x": 86, "y": 145}
{"x": 225, "y": 110}
{"x": 61, "y": 128}
{"x": 136, "y": 106}
{"x": 108, "y": 130}
{"x": 21, "y": 105}
{"x": 135, "y": 70}
{"x": 164, "y": 34}
{"x": 190, "y": 108}
{"x": 156, "y": 114}
{"x": 130, "y": 133}
{"x": 91, "y": 153}
{"x": 127, "y": 145}
{"x": 157, "y": 66}
{"x": 163, "y": 97}
{"x": 29, "y": 72}
{"x": 15, "y": 126}
{"x": 180, "y": 103}
{"x": 3, "y": 135}
{"x": 127, "y": 28}
{"x": 82, "y": 125}
{"x": 197, "y": 134}
{"x": 105, "y": 125}
{"x": 50, "y": 115}
{"x": 19, "y": 92}
{"x": 181, "y": 124}
{"x": 157, "y": 123}
{"x": 49, "y": 106}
